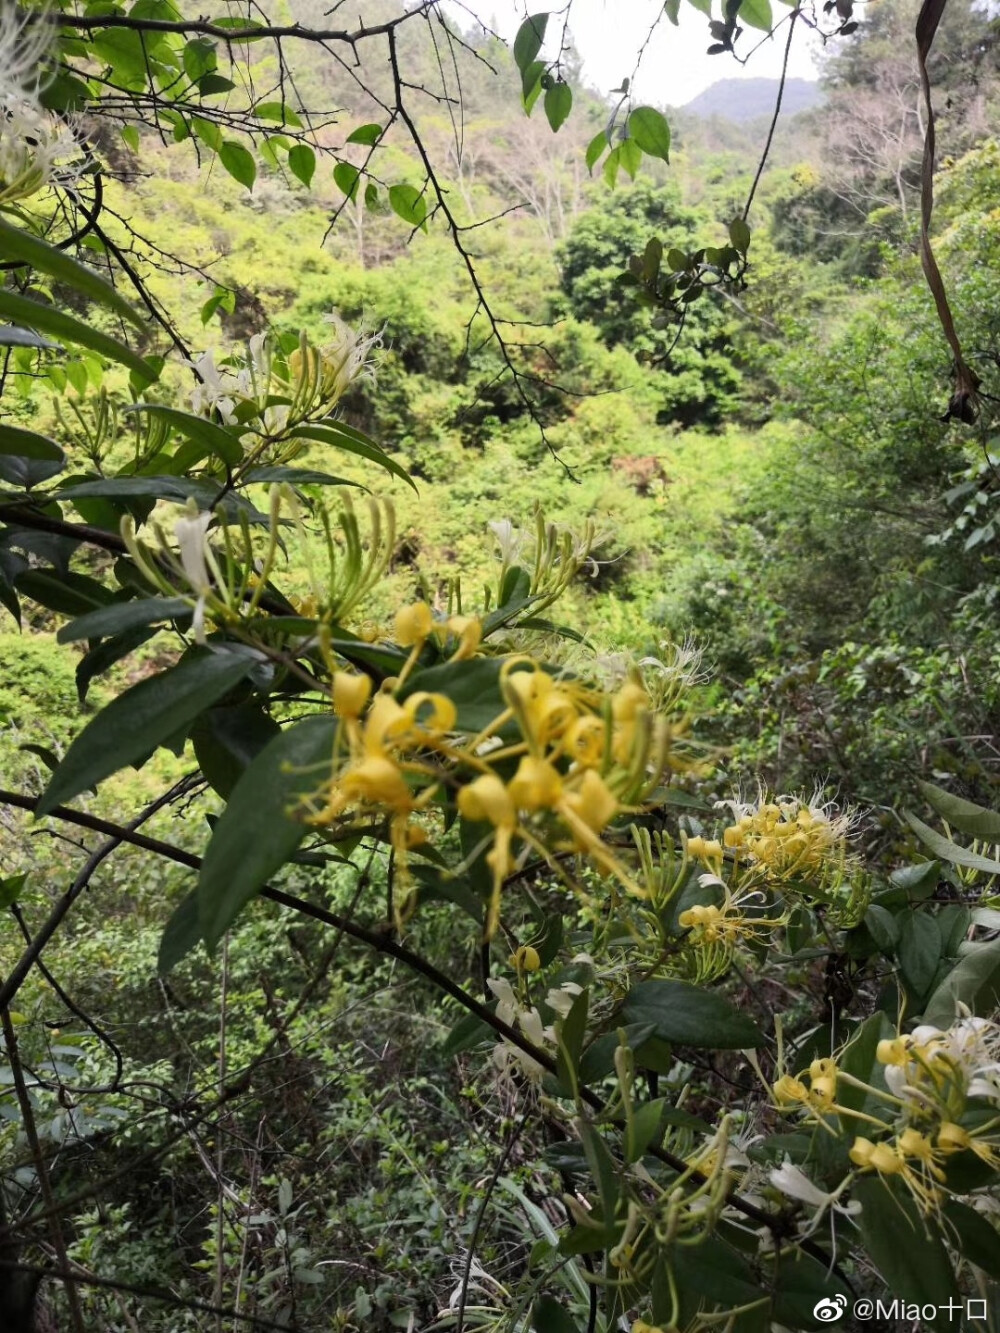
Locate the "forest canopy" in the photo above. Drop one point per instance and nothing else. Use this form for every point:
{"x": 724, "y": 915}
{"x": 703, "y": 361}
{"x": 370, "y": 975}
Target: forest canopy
{"x": 498, "y": 714}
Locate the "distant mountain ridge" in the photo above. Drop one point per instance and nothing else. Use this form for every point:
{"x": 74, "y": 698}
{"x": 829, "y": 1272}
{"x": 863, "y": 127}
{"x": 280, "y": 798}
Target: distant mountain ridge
{"x": 747, "y": 99}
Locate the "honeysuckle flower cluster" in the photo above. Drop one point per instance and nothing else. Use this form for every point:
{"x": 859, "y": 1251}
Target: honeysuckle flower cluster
{"x": 551, "y": 555}
{"x": 271, "y": 394}
{"x": 545, "y": 777}
{"x": 782, "y": 848}
{"x": 786, "y": 837}
{"x": 36, "y": 147}
{"x": 223, "y": 569}
{"x": 939, "y": 1096}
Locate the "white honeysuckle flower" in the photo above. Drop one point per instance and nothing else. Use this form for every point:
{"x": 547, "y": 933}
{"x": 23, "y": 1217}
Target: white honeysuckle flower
{"x": 347, "y": 357}
{"x": 191, "y": 536}
{"x": 37, "y": 148}
{"x": 506, "y": 1000}
{"x": 218, "y": 388}
{"x": 531, "y": 1025}
{"x": 509, "y": 539}
{"x": 24, "y": 42}
{"x": 560, "y": 1000}
{"x": 795, "y": 1184}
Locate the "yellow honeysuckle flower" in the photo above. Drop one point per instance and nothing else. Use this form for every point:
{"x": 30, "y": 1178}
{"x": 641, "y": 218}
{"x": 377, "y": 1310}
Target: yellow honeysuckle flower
{"x": 892, "y": 1051}
{"x": 413, "y": 624}
{"x": 585, "y": 741}
{"x": 788, "y": 1090}
{"x": 378, "y": 781}
{"x": 822, "y": 1093}
{"x": 427, "y": 714}
{"x": 824, "y": 1068}
{"x": 536, "y": 785}
{"x": 953, "y": 1138}
{"x": 883, "y": 1160}
{"x": 469, "y": 632}
{"x": 351, "y": 691}
{"x": 629, "y": 700}
{"x": 487, "y": 800}
{"x": 592, "y": 802}
{"x": 861, "y": 1152}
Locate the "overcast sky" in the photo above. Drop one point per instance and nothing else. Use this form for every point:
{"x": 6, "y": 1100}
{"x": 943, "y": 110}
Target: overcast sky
{"x": 675, "y": 68}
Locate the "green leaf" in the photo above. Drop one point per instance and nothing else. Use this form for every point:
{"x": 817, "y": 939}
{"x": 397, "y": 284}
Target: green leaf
{"x": 643, "y": 1127}
{"x": 109, "y": 651}
{"x": 528, "y": 41}
{"x": 351, "y": 441}
{"x": 946, "y": 850}
{"x": 915, "y": 882}
{"x": 123, "y": 615}
{"x": 302, "y": 163}
{"x": 141, "y": 719}
{"x": 239, "y": 162}
{"x": 531, "y": 85}
{"x": 206, "y": 434}
{"x": 469, "y": 1031}
{"x": 70, "y": 594}
{"x": 473, "y": 687}
{"x": 18, "y": 244}
{"x": 649, "y": 128}
{"x": 347, "y": 177}
{"x": 8, "y": 598}
{"x": 977, "y": 1241}
{"x": 11, "y": 889}
{"x": 630, "y": 156}
{"x": 757, "y": 13}
{"x": 714, "y": 1269}
{"x": 558, "y": 104}
{"x": 366, "y": 134}
{"x": 739, "y": 235}
{"x": 181, "y": 934}
{"x": 256, "y": 833}
{"x": 277, "y": 111}
{"x": 690, "y": 1016}
{"x": 974, "y": 820}
{"x": 226, "y": 741}
{"x": 295, "y": 476}
{"x": 919, "y": 950}
{"x": 47, "y": 319}
{"x": 906, "y": 1250}
{"x": 210, "y": 85}
{"x": 973, "y": 981}
{"x": 200, "y": 57}
{"x": 595, "y": 148}
{"x": 408, "y": 203}
{"x": 208, "y": 132}
{"x": 859, "y": 1060}
{"x": 548, "y": 1316}
{"x": 800, "y": 1283}
{"x": 26, "y": 444}
{"x": 883, "y": 928}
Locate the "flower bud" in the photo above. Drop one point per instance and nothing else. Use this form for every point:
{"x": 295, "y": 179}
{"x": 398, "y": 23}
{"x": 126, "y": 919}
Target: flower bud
{"x": 526, "y": 959}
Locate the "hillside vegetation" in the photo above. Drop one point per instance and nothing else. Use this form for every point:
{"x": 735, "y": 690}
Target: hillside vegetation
{"x": 360, "y": 1079}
